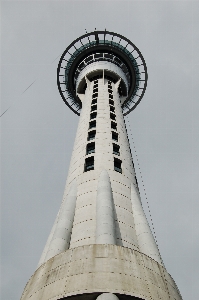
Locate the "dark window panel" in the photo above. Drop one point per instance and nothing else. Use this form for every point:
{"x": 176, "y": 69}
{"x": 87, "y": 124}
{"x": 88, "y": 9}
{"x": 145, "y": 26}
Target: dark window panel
{"x": 117, "y": 165}
{"x": 108, "y": 55}
{"x": 114, "y": 136}
{"x": 112, "y": 116}
{"x": 112, "y": 108}
{"x": 92, "y": 124}
{"x": 94, "y": 101}
{"x": 90, "y": 148}
{"x": 98, "y": 55}
{"x": 89, "y": 164}
{"x": 116, "y": 149}
{"x": 111, "y": 102}
{"x": 93, "y": 115}
{"x": 91, "y": 135}
{"x": 95, "y": 95}
{"x": 114, "y": 125}
{"x": 93, "y": 107}
{"x": 89, "y": 58}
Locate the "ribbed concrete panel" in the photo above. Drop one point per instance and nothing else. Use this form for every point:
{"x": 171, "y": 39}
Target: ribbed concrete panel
{"x": 105, "y": 211}
{"x": 101, "y": 269}
{"x": 145, "y": 238}
{"x": 60, "y": 236}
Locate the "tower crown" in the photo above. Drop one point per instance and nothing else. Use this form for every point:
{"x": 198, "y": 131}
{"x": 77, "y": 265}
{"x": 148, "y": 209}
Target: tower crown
{"x": 101, "y": 54}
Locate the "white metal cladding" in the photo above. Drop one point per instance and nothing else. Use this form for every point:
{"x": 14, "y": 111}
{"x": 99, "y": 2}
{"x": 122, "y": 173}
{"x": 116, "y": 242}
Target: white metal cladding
{"x": 102, "y": 65}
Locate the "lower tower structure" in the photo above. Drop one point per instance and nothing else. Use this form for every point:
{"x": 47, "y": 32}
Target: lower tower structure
{"x": 101, "y": 246}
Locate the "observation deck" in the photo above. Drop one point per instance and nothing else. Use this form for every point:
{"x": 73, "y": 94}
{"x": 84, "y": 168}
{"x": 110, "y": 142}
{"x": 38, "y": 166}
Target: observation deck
{"x": 101, "y": 54}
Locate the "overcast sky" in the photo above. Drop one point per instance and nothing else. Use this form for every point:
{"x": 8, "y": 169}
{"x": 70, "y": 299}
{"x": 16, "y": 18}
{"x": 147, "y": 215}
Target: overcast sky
{"x": 38, "y": 130}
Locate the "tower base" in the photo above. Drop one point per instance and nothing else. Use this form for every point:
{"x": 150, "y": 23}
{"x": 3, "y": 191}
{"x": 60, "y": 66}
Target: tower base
{"x": 87, "y": 271}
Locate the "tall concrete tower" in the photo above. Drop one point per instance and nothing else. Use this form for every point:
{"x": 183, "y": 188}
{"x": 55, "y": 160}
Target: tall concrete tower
{"x": 101, "y": 246}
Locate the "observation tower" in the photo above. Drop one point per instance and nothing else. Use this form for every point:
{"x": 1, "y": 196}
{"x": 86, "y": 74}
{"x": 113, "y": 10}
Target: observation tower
{"x": 101, "y": 246}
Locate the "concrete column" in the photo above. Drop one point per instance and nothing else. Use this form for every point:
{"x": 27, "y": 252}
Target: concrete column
{"x": 105, "y": 221}
{"x": 61, "y": 231}
{"x": 146, "y": 242}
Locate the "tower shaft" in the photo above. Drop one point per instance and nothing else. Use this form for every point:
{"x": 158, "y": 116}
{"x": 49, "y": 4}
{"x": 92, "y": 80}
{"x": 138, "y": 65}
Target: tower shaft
{"x": 102, "y": 142}
{"x": 101, "y": 246}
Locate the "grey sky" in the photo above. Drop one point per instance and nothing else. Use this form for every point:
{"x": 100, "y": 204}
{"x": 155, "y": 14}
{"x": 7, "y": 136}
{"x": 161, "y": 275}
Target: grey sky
{"x": 38, "y": 130}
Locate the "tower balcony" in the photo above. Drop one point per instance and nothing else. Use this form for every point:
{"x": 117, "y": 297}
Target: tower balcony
{"x": 117, "y": 55}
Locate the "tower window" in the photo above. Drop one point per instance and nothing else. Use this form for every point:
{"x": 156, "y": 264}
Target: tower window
{"x": 110, "y": 96}
{"x": 91, "y": 135}
{"x": 92, "y": 124}
{"x": 110, "y": 91}
{"x": 112, "y": 108}
{"x": 90, "y": 148}
{"x": 89, "y": 164}
{"x": 95, "y": 89}
{"x": 118, "y": 60}
{"x": 95, "y": 95}
{"x": 94, "y": 101}
{"x": 112, "y": 116}
{"x": 116, "y": 149}
{"x": 81, "y": 66}
{"x": 108, "y": 55}
{"x": 93, "y": 115}
{"x": 117, "y": 165}
{"x": 115, "y": 136}
{"x": 89, "y": 58}
{"x": 114, "y": 125}
{"x": 111, "y": 102}
{"x": 93, "y": 107}
{"x": 98, "y": 55}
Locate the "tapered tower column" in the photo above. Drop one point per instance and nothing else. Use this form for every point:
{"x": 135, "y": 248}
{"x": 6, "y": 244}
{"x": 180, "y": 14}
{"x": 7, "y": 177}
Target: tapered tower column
{"x": 101, "y": 246}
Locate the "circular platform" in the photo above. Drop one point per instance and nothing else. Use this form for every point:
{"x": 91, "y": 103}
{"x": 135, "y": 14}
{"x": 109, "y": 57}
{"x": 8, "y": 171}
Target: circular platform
{"x": 102, "y": 46}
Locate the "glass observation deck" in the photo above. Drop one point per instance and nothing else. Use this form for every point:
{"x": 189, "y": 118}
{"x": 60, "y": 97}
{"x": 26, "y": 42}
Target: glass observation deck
{"x": 102, "y": 46}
